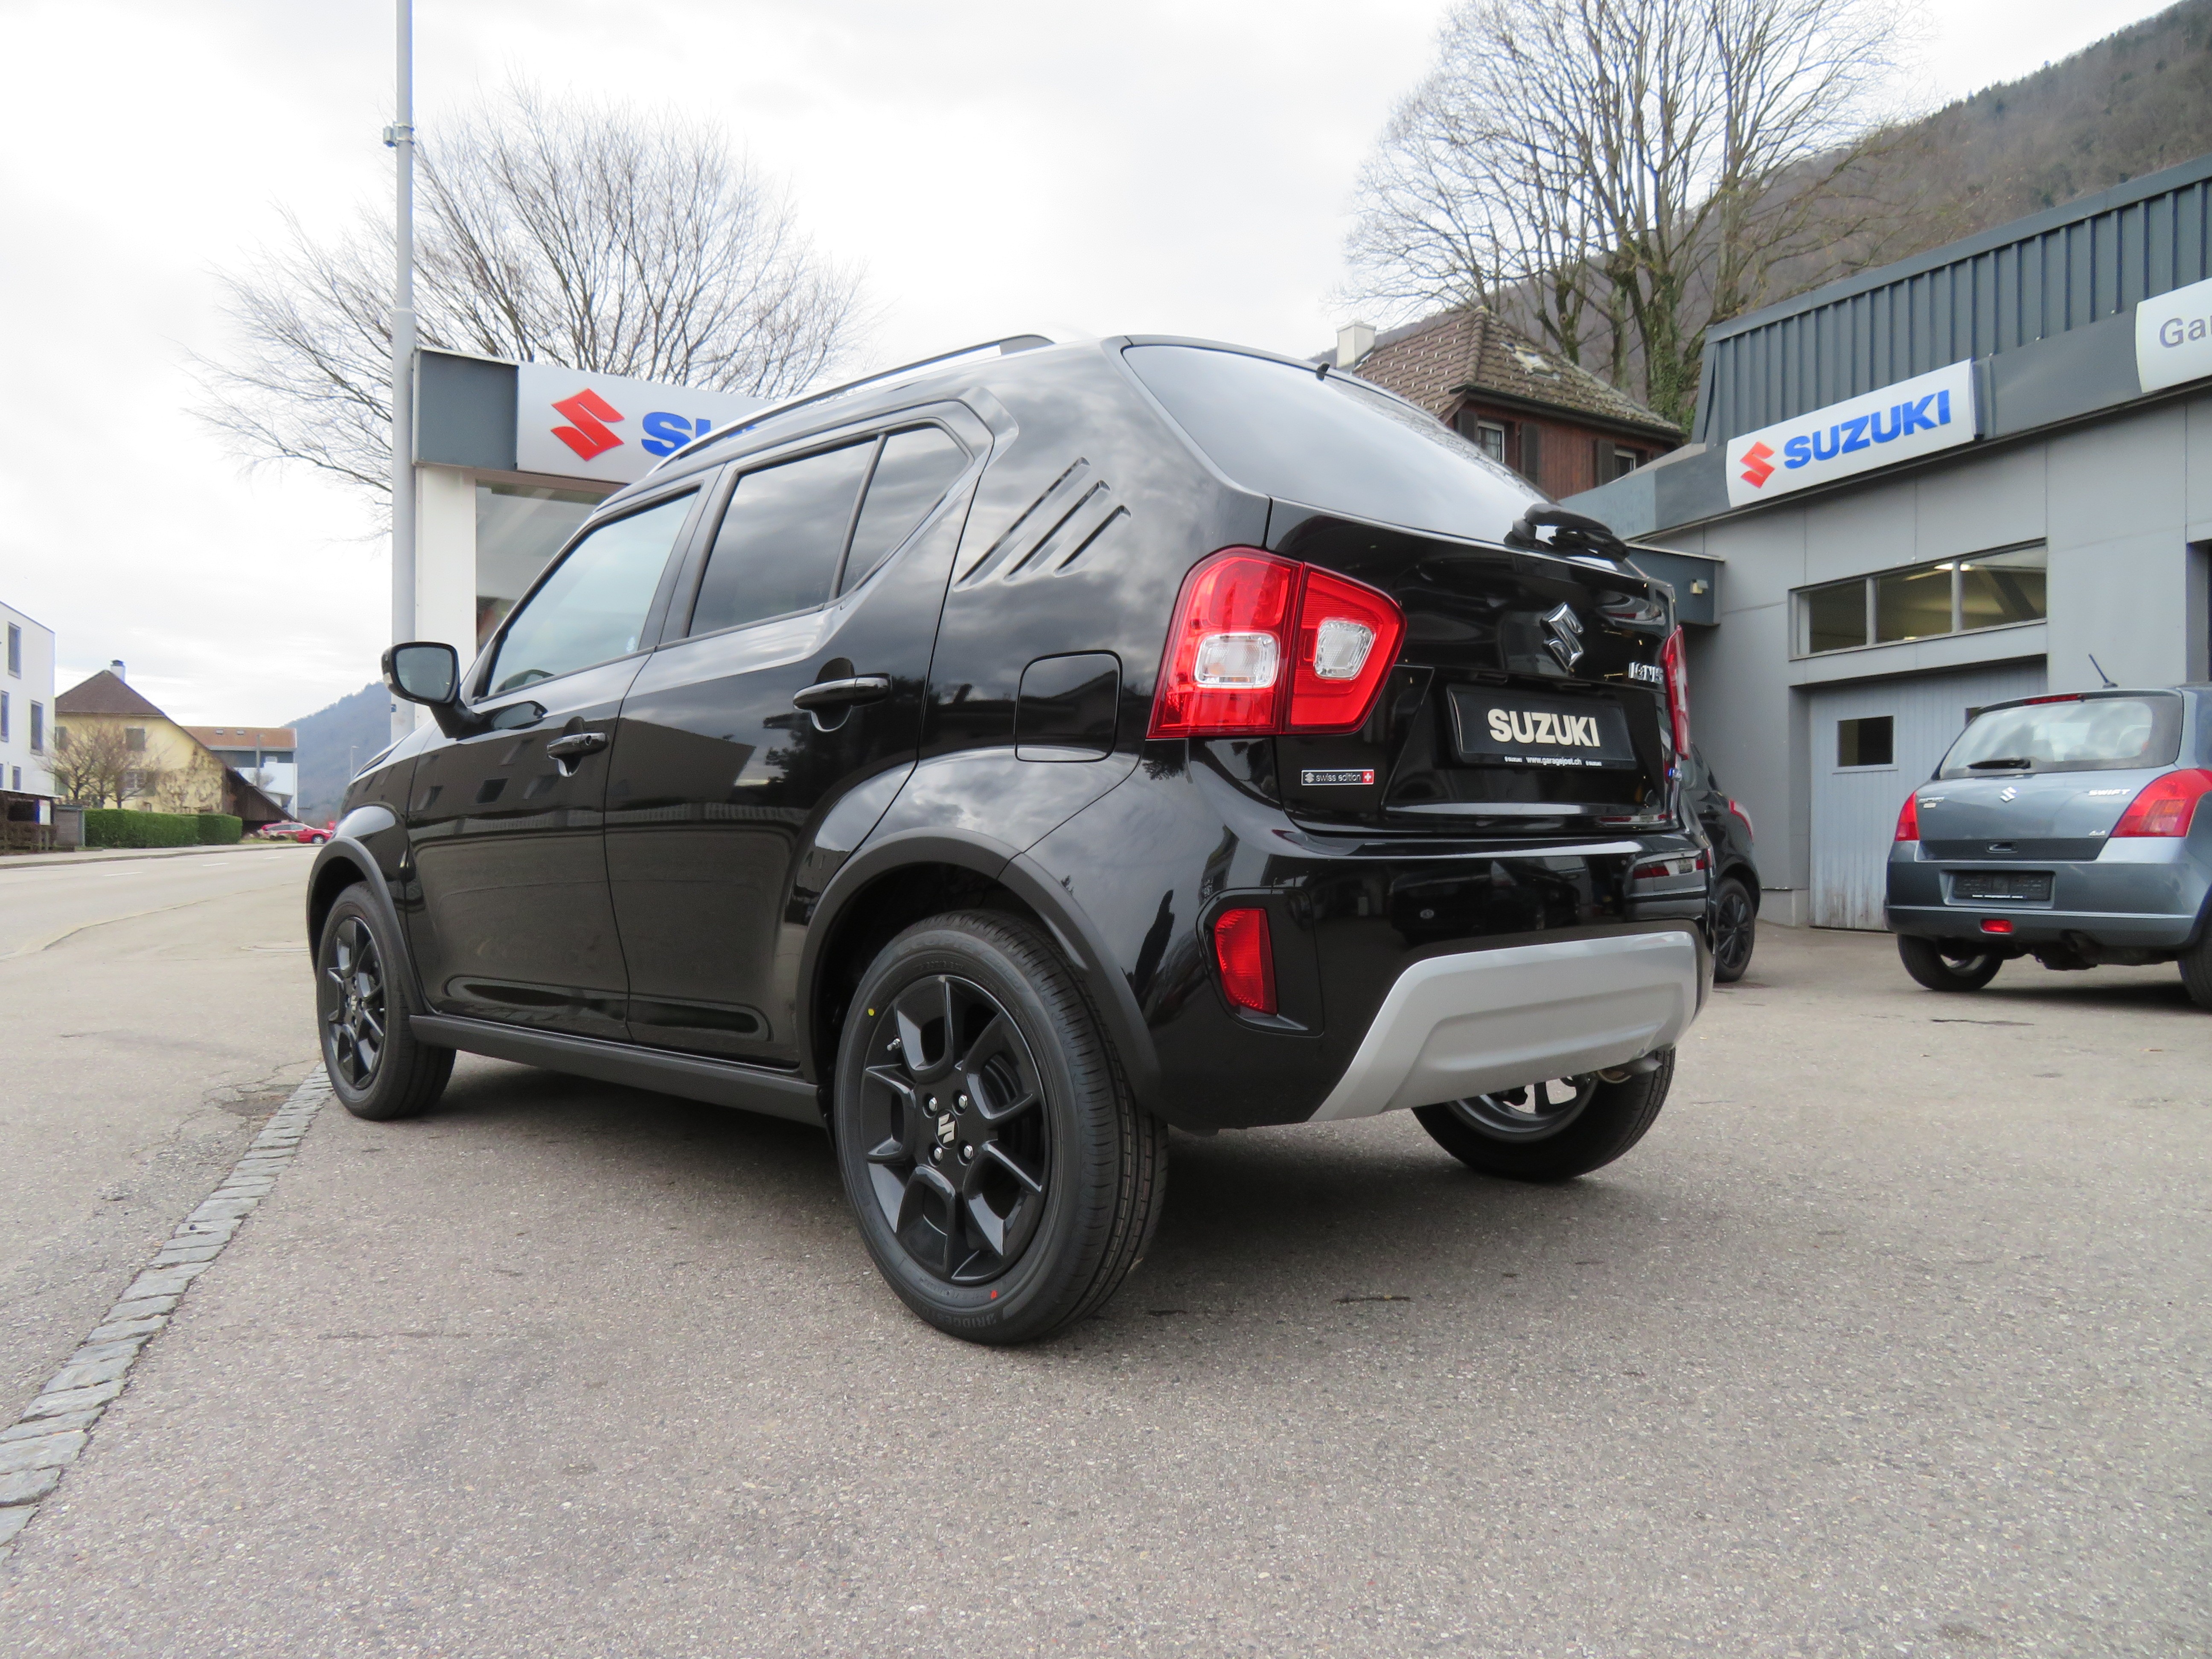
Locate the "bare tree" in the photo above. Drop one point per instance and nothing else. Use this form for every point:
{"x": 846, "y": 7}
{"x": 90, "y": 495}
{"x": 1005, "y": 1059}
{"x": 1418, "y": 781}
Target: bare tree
{"x": 94, "y": 766}
{"x": 585, "y": 236}
{"x": 1622, "y": 174}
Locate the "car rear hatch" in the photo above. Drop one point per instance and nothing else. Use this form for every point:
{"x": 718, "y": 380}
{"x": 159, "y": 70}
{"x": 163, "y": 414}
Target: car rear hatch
{"x": 1529, "y": 695}
{"x": 2047, "y": 779}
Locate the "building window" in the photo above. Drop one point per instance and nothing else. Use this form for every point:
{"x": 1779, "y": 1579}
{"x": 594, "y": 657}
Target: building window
{"x": 1924, "y": 601}
{"x": 19, "y": 779}
{"x": 15, "y": 651}
{"x": 1489, "y": 438}
{"x": 38, "y": 728}
{"x": 4, "y": 717}
{"x": 1868, "y": 742}
{"x": 134, "y": 738}
{"x": 1624, "y": 461}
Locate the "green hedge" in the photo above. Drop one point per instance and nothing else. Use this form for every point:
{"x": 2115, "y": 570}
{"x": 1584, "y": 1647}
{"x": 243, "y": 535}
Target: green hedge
{"x": 220, "y": 829}
{"x": 111, "y": 826}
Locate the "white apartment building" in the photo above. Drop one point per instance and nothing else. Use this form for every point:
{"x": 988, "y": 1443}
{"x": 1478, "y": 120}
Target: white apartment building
{"x": 26, "y": 715}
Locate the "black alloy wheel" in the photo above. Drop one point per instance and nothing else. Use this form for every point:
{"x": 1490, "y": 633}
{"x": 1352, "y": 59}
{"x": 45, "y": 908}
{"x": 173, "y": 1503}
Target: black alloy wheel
{"x": 378, "y": 1068}
{"x": 1733, "y": 930}
{"x": 1947, "y": 964}
{"x": 959, "y": 1160}
{"x": 354, "y": 1019}
{"x": 1001, "y": 1174}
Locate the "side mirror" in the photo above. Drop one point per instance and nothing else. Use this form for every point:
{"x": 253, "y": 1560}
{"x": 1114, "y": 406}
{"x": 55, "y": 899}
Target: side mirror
{"x": 422, "y": 672}
{"x": 428, "y": 672}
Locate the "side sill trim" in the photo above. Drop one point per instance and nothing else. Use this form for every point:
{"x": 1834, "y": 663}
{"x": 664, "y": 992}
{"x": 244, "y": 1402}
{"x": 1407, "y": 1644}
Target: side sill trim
{"x": 1483, "y": 1020}
{"x": 718, "y": 1083}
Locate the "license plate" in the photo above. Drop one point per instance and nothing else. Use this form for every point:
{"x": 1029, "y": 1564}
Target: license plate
{"x": 2020, "y": 886}
{"x": 1518, "y": 728}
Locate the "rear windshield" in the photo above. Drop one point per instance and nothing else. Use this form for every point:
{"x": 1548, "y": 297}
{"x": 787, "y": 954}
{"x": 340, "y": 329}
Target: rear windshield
{"x": 1332, "y": 443}
{"x": 2084, "y": 734}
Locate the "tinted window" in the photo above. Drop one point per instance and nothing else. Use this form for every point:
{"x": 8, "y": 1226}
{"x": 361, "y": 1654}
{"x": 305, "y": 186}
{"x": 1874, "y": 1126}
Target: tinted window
{"x": 1331, "y": 443}
{"x": 591, "y": 609}
{"x": 911, "y": 476}
{"x": 780, "y": 538}
{"x": 2079, "y": 734}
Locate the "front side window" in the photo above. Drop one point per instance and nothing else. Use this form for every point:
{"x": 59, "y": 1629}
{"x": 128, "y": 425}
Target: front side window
{"x": 592, "y": 608}
{"x": 781, "y": 539}
{"x": 2086, "y": 733}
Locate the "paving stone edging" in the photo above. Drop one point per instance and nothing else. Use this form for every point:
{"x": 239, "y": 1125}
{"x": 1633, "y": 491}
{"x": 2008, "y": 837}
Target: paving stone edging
{"x": 45, "y": 1439}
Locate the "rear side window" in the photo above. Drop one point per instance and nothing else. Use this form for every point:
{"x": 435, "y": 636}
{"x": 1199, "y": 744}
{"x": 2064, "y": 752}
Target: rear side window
{"x": 781, "y": 536}
{"x": 916, "y": 468}
{"x": 2078, "y": 734}
{"x": 591, "y": 609}
{"x": 1331, "y": 443}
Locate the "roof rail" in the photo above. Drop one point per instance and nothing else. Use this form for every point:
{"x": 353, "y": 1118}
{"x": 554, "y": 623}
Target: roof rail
{"x": 1006, "y": 347}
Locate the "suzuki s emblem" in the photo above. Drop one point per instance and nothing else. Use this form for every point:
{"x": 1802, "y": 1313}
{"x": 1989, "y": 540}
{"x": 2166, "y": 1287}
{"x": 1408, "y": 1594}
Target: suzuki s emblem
{"x": 2008, "y": 793}
{"x": 1563, "y": 635}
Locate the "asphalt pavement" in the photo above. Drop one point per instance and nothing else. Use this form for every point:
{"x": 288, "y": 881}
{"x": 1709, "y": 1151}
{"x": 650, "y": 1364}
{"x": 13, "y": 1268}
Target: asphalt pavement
{"x": 1890, "y": 1339}
{"x": 151, "y": 1008}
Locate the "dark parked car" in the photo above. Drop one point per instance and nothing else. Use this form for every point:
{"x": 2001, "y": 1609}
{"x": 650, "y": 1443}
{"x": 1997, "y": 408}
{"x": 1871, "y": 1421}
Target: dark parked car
{"x": 2065, "y": 828}
{"x": 1004, "y": 760}
{"x": 1732, "y": 911}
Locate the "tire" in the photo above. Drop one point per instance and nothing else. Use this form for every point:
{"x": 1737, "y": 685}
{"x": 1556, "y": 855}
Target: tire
{"x": 377, "y": 1068}
{"x": 1601, "y": 1116}
{"x": 1946, "y": 964}
{"x": 1733, "y": 929}
{"x": 1019, "y": 1205}
{"x": 2195, "y": 965}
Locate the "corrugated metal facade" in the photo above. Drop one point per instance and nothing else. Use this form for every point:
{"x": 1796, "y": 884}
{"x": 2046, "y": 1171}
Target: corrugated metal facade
{"x": 2036, "y": 277}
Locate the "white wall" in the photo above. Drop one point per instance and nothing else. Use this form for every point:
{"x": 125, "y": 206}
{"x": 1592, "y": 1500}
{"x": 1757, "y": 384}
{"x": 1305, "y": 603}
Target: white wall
{"x": 35, "y": 685}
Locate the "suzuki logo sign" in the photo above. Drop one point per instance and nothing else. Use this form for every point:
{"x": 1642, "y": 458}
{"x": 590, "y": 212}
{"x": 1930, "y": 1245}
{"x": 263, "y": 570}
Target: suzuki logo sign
{"x": 1930, "y": 412}
{"x": 576, "y": 424}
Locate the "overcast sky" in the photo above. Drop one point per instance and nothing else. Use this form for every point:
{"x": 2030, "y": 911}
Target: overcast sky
{"x": 1183, "y": 167}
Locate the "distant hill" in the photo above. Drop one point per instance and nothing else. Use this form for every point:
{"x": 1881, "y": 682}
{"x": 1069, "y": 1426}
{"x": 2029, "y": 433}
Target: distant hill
{"x": 333, "y": 742}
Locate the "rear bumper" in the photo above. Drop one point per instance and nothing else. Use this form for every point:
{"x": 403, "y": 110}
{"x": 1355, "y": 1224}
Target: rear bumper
{"x": 2143, "y": 895}
{"x": 1485, "y": 1020}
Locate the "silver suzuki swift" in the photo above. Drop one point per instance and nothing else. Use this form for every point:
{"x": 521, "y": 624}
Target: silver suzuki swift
{"x": 2065, "y": 828}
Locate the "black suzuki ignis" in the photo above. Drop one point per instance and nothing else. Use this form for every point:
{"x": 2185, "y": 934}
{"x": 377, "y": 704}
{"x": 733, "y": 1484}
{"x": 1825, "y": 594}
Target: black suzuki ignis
{"x": 1001, "y": 760}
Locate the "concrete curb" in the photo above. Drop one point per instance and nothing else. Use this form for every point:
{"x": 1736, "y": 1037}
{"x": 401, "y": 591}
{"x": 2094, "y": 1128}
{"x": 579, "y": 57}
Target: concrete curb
{"x": 41, "y": 1444}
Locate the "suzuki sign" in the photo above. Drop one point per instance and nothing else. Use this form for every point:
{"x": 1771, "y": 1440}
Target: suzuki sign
{"x": 1918, "y": 416}
{"x": 575, "y": 424}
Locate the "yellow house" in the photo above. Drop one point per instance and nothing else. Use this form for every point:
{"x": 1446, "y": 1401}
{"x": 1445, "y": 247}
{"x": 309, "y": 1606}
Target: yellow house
{"x": 112, "y": 748}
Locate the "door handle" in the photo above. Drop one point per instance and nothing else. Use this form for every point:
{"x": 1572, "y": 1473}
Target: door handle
{"x": 566, "y": 751}
{"x": 844, "y": 694}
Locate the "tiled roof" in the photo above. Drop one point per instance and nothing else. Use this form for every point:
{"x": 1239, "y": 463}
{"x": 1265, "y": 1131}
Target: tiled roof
{"x": 244, "y": 737}
{"x": 1431, "y": 361}
{"x": 104, "y": 693}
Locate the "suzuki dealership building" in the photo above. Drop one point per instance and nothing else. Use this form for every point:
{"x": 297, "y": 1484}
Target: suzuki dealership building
{"x": 1982, "y": 473}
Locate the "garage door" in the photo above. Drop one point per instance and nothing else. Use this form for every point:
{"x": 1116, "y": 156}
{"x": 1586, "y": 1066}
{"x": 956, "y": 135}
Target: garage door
{"x": 1872, "y": 743}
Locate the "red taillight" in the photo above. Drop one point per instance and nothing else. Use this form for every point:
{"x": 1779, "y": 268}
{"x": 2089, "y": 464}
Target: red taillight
{"x": 1996, "y": 925}
{"x": 1908, "y": 818}
{"x": 1675, "y": 666}
{"x": 1246, "y": 953}
{"x": 2165, "y": 805}
{"x": 1348, "y": 638}
{"x": 1261, "y": 645}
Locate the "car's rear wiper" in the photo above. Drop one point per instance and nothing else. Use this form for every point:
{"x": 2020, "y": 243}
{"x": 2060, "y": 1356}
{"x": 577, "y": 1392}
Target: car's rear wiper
{"x": 2004, "y": 760}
